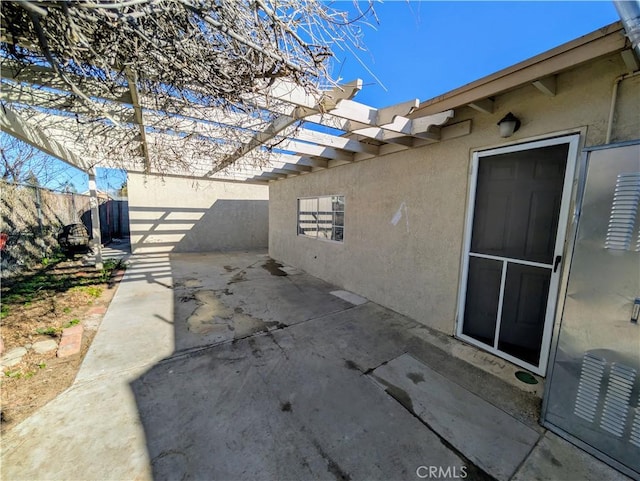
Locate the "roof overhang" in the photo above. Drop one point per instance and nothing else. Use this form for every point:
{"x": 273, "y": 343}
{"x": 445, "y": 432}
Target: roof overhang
{"x": 539, "y": 70}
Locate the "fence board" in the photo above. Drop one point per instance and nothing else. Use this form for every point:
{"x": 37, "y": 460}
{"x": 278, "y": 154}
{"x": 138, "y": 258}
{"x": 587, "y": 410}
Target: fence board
{"x": 31, "y": 218}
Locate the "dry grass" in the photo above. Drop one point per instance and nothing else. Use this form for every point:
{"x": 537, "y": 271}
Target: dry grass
{"x": 38, "y": 306}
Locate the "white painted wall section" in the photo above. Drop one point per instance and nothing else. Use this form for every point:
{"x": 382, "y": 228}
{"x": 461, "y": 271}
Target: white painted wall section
{"x": 186, "y": 215}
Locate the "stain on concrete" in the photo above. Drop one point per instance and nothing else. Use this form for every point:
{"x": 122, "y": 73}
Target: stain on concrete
{"x": 274, "y": 268}
{"x": 214, "y": 317}
{"x": 352, "y": 365}
{"x": 415, "y": 377}
{"x": 401, "y": 396}
{"x": 285, "y": 407}
{"x": 548, "y": 454}
{"x": 275, "y": 341}
{"x": 398, "y": 394}
{"x": 210, "y": 316}
{"x": 275, "y": 325}
{"x": 255, "y": 350}
{"x": 337, "y": 471}
{"x": 239, "y": 277}
{"x": 170, "y": 464}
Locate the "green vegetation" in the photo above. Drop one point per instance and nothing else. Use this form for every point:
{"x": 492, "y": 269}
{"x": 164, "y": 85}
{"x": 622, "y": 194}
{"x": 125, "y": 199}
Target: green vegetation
{"x": 42, "y": 365}
{"x": 55, "y": 257}
{"x": 71, "y": 323}
{"x": 19, "y": 375}
{"x": 111, "y": 265}
{"x": 93, "y": 291}
{"x": 48, "y": 331}
{"x": 24, "y": 290}
{"x": 114, "y": 264}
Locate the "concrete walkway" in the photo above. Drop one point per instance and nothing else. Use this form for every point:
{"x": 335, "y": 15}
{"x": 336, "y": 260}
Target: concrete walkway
{"x": 231, "y": 367}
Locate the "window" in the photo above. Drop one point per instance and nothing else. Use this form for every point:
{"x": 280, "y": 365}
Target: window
{"x": 322, "y": 217}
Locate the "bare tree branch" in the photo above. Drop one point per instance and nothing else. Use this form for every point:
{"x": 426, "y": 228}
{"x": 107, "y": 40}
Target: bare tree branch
{"x": 190, "y": 57}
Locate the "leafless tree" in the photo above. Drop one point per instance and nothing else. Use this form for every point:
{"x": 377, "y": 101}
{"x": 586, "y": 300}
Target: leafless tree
{"x": 22, "y": 163}
{"x": 186, "y": 57}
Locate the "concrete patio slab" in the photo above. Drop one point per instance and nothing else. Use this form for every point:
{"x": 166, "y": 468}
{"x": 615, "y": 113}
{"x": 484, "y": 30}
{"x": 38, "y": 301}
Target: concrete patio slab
{"x": 489, "y": 437}
{"x": 259, "y": 409}
{"x": 138, "y": 327}
{"x": 362, "y": 337}
{"x": 554, "y": 458}
{"x": 89, "y": 432}
{"x": 239, "y": 297}
{"x": 286, "y": 394}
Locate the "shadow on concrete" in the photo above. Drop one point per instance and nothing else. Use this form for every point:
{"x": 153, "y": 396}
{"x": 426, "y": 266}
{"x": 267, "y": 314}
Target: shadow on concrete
{"x": 271, "y": 377}
{"x": 229, "y": 366}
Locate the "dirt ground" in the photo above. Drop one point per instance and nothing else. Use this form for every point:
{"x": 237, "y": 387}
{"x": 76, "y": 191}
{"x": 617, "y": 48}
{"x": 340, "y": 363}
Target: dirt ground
{"x": 37, "y": 306}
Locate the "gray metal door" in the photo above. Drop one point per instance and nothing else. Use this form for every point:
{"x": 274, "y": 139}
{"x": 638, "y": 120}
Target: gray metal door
{"x": 593, "y": 391}
{"x": 514, "y": 253}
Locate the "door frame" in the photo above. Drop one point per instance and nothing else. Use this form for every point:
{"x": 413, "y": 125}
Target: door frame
{"x": 563, "y": 221}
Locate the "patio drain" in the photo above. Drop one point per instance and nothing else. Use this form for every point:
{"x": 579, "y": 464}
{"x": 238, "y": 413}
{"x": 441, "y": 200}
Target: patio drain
{"x": 526, "y": 377}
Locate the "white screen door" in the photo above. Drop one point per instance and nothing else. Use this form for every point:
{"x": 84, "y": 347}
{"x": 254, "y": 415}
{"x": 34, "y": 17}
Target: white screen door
{"x": 516, "y": 227}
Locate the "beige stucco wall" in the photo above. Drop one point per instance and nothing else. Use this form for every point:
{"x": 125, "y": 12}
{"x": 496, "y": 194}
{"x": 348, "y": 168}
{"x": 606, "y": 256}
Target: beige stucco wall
{"x": 186, "y": 215}
{"x": 413, "y": 266}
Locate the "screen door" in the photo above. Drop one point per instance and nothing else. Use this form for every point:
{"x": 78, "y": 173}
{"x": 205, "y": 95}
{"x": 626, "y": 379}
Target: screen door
{"x": 515, "y": 238}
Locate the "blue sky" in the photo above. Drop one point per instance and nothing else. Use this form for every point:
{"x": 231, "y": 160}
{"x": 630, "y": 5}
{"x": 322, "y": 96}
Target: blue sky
{"x": 424, "y": 49}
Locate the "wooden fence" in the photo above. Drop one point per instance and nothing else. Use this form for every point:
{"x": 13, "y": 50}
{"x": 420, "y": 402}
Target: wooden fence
{"x": 31, "y": 218}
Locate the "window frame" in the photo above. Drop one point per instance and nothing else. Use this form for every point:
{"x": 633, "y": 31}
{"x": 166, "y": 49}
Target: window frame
{"x": 333, "y": 227}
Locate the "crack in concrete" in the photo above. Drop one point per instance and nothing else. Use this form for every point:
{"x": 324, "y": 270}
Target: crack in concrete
{"x": 332, "y": 466}
{"x": 474, "y": 472}
{"x": 270, "y": 335}
{"x": 174, "y": 459}
{"x": 197, "y": 350}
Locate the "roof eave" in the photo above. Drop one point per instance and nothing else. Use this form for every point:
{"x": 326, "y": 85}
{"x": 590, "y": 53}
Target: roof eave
{"x": 604, "y": 41}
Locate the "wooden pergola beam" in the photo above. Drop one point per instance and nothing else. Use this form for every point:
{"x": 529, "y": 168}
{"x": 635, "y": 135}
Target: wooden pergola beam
{"x": 137, "y": 112}
{"x": 233, "y": 135}
{"x": 47, "y": 77}
{"x": 13, "y": 124}
{"x": 328, "y": 101}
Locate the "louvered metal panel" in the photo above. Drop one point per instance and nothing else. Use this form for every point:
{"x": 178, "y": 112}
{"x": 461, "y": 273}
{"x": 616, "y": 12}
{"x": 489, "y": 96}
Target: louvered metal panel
{"x": 634, "y": 437}
{"x": 616, "y": 401}
{"x": 624, "y": 211}
{"x": 592, "y": 392}
{"x": 589, "y": 387}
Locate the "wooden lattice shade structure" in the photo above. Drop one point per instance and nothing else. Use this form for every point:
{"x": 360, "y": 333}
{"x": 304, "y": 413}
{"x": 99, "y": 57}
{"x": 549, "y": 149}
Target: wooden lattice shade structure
{"x": 67, "y": 93}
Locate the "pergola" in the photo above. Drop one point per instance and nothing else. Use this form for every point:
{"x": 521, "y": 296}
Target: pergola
{"x": 290, "y": 132}
{"x": 288, "y": 129}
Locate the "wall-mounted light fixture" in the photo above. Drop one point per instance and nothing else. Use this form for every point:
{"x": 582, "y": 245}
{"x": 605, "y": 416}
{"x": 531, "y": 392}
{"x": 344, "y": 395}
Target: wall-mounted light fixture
{"x": 508, "y": 125}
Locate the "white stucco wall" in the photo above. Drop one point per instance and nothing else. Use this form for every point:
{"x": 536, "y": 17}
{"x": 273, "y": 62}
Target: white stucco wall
{"x": 186, "y": 215}
{"x": 413, "y": 266}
